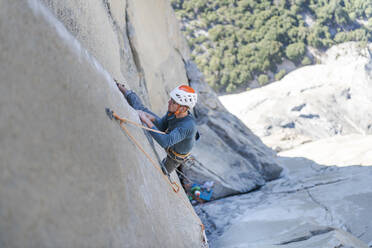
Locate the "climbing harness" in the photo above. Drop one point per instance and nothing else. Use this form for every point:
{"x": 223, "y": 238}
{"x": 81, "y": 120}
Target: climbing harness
{"x": 112, "y": 115}
{"x": 176, "y": 156}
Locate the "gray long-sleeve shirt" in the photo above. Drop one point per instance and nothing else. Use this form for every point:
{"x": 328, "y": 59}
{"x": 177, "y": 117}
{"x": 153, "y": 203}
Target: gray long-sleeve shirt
{"x": 181, "y": 132}
{"x": 180, "y": 135}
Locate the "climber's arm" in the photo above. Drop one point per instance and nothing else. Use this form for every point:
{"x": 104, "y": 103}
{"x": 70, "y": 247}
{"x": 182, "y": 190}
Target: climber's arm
{"x": 165, "y": 140}
{"x": 175, "y": 136}
{"x": 146, "y": 118}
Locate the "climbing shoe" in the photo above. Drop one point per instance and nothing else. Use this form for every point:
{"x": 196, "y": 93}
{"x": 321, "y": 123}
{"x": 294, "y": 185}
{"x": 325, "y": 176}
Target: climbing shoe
{"x": 163, "y": 169}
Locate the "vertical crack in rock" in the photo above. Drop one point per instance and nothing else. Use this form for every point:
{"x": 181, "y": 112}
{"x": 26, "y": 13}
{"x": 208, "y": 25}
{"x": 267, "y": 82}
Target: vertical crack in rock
{"x": 136, "y": 58}
{"x": 179, "y": 53}
{"x": 184, "y": 62}
{"x": 135, "y": 55}
{"x": 126, "y": 56}
{"x": 108, "y": 8}
{"x": 137, "y": 63}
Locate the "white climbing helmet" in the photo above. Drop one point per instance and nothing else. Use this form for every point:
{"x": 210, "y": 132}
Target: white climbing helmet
{"x": 184, "y": 95}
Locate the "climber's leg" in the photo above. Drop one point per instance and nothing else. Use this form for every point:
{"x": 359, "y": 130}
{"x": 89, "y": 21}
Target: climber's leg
{"x": 168, "y": 165}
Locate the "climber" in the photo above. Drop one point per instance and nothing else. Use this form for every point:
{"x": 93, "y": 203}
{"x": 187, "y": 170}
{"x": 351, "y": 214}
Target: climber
{"x": 178, "y": 123}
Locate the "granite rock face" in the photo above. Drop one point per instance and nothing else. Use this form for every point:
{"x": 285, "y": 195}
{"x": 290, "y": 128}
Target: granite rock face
{"x": 310, "y": 206}
{"x": 324, "y": 195}
{"x": 345, "y": 150}
{"x": 69, "y": 177}
{"x": 312, "y": 103}
{"x": 138, "y": 40}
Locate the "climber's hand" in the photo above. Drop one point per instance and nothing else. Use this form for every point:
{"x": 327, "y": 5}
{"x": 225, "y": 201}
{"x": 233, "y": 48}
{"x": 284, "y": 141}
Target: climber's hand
{"x": 144, "y": 118}
{"x": 141, "y": 114}
{"x": 121, "y": 87}
{"x": 147, "y": 115}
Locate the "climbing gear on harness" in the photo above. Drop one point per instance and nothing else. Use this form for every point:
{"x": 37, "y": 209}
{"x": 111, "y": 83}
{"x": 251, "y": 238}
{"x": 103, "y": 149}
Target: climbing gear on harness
{"x": 112, "y": 115}
{"x": 181, "y": 158}
{"x": 173, "y": 160}
{"x": 178, "y": 156}
{"x": 184, "y": 95}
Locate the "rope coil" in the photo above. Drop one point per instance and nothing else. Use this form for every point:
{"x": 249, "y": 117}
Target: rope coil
{"x": 175, "y": 187}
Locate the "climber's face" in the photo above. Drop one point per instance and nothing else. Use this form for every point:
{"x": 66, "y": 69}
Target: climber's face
{"x": 175, "y": 108}
{"x": 172, "y": 106}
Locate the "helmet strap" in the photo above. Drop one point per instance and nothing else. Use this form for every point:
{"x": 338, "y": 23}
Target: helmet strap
{"x": 178, "y": 112}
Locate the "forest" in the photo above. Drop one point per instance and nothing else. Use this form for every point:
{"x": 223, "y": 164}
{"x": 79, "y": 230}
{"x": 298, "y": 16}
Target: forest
{"x": 235, "y": 42}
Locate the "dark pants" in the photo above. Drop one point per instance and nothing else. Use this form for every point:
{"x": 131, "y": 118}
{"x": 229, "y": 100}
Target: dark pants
{"x": 169, "y": 164}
